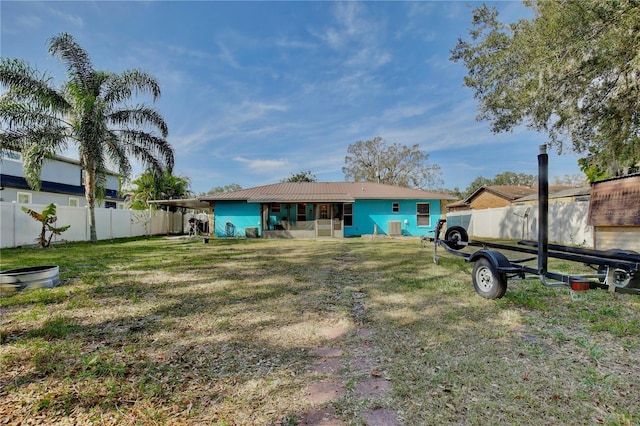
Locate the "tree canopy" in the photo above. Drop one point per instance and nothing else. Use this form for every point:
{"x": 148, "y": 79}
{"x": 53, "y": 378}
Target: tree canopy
{"x": 88, "y": 111}
{"x": 505, "y": 178}
{"x": 152, "y": 186}
{"x": 396, "y": 164}
{"x": 572, "y": 71}
{"x": 305, "y": 176}
{"x": 226, "y": 188}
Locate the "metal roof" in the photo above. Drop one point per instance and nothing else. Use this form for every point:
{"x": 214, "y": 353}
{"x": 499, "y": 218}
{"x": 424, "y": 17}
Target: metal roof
{"x": 300, "y": 192}
{"x": 570, "y": 192}
{"x": 188, "y": 203}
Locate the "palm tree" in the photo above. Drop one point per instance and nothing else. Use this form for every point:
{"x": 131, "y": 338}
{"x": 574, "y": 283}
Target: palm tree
{"x": 89, "y": 112}
{"x": 149, "y": 186}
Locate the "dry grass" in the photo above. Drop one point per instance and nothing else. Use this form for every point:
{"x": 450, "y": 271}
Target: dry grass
{"x": 178, "y": 332}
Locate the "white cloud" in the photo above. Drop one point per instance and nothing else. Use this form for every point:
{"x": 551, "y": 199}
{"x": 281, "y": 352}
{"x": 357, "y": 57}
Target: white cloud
{"x": 74, "y": 20}
{"x": 260, "y": 165}
{"x": 356, "y": 36}
{"x": 30, "y": 21}
{"x": 294, "y": 44}
{"x": 227, "y": 56}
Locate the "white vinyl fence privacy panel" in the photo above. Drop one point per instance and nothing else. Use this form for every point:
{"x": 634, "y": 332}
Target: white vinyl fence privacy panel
{"x": 19, "y": 229}
{"x": 567, "y": 223}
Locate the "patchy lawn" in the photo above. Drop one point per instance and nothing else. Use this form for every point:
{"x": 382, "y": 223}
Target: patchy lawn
{"x": 174, "y": 331}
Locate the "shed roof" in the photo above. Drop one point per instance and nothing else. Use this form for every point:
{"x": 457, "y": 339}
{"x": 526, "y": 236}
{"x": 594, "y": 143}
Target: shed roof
{"x": 300, "y": 192}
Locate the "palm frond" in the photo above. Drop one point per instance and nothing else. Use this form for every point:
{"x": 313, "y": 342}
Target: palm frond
{"x": 19, "y": 117}
{"x": 34, "y": 156}
{"x": 152, "y": 150}
{"x": 140, "y": 116}
{"x": 27, "y": 85}
{"x": 124, "y": 85}
{"x": 118, "y": 155}
{"x": 77, "y": 60}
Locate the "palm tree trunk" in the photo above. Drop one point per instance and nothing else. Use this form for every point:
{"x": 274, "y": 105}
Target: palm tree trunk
{"x": 90, "y": 194}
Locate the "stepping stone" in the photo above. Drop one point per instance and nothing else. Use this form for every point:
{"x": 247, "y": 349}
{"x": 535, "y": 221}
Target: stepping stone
{"x": 323, "y": 417}
{"x": 380, "y": 417}
{"x": 363, "y": 364}
{"x": 324, "y": 391}
{"x": 372, "y": 388}
{"x": 326, "y": 352}
{"x": 330, "y": 366}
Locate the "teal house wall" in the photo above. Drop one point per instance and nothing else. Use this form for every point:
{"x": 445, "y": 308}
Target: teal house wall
{"x": 232, "y": 218}
{"x": 371, "y": 214}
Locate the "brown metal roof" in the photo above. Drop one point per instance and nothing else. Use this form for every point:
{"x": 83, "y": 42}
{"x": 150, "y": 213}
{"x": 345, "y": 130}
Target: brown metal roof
{"x": 511, "y": 192}
{"x": 299, "y": 192}
{"x": 564, "y": 192}
{"x": 614, "y": 202}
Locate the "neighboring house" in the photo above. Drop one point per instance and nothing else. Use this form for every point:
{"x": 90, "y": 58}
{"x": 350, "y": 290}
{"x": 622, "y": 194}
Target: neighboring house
{"x": 491, "y": 197}
{"x": 325, "y": 209}
{"x": 569, "y": 195}
{"x": 495, "y": 196}
{"x": 61, "y": 183}
{"x": 614, "y": 212}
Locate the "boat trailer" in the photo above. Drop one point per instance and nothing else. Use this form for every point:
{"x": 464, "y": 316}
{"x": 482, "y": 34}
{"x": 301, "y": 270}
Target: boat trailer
{"x": 614, "y": 270}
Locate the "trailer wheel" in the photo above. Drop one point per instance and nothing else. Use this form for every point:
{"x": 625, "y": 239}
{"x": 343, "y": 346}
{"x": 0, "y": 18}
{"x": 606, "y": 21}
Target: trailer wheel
{"x": 487, "y": 281}
{"x": 454, "y": 235}
{"x": 623, "y": 278}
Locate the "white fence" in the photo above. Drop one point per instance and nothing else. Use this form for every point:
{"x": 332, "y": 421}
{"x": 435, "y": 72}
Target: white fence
{"x": 18, "y": 228}
{"x": 567, "y": 223}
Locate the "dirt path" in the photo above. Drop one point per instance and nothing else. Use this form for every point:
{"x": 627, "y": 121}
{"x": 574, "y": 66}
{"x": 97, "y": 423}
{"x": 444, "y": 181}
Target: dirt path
{"x": 347, "y": 369}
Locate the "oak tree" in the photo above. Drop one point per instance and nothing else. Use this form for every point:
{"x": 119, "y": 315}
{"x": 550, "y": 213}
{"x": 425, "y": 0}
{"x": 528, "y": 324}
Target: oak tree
{"x": 572, "y": 71}
{"x": 396, "y": 164}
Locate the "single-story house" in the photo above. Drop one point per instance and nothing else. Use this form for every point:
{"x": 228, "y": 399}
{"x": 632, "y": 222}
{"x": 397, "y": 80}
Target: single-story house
{"x": 495, "y": 196}
{"x": 570, "y": 195}
{"x": 491, "y": 196}
{"x": 324, "y": 209}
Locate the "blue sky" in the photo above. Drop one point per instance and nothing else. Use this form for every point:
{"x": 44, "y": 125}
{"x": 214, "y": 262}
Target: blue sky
{"x": 254, "y": 92}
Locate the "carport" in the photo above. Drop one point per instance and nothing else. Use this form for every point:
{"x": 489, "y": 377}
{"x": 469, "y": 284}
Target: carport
{"x": 191, "y": 204}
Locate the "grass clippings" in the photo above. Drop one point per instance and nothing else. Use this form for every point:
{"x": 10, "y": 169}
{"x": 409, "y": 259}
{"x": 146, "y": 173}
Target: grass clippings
{"x": 173, "y": 331}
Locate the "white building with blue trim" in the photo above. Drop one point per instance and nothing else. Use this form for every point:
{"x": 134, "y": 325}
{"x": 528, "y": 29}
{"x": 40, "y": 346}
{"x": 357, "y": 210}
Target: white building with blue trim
{"x": 61, "y": 183}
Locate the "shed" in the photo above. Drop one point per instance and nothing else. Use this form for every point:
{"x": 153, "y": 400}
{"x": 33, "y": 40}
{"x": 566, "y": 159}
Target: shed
{"x": 614, "y": 213}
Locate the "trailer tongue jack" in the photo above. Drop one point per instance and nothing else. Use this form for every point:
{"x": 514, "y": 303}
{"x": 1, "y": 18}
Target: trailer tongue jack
{"x": 615, "y": 270}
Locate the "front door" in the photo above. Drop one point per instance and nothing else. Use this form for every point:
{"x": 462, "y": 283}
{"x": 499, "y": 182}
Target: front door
{"x": 324, "y": 222}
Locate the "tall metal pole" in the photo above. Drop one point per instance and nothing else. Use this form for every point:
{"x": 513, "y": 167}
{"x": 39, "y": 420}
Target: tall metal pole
{"x": 543, "y": 209}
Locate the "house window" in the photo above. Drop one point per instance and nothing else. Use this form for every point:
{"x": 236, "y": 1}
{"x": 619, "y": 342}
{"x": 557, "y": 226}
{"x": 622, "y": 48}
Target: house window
{"x": 347, "y": 211}
{"x": 24, "y": 197}
{"x": 395, "y": 207}
{"x": 275, "y": 208}
{"x": 110, "y": 205}
{"x": 423, "y": 212}
{"x": 74, "y": 202}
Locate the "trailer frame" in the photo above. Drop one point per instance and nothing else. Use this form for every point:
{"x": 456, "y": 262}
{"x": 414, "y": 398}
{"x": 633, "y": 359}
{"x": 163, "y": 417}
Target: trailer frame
{"x": 614, "y": 270}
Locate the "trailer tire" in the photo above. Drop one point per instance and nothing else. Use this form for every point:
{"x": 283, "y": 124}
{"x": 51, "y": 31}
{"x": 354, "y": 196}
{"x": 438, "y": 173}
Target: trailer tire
{"x": 454, "y": 235}
{"x": 487, "y": 281}
{"x": 631, "y": 280}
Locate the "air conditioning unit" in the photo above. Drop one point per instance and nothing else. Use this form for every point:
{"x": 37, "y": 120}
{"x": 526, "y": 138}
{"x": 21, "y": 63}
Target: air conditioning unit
{"x": 395, "y": 227}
